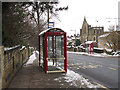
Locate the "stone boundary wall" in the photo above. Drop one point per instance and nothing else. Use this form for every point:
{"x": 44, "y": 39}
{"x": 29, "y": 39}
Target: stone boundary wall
{"x": 0, "y": 67}
{"x": 11, "y": 62}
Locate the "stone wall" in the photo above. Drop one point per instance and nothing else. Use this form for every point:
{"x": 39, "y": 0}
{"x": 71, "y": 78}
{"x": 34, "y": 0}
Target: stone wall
{"x": 12, "y": 60}
{"x": 0, "y": 68}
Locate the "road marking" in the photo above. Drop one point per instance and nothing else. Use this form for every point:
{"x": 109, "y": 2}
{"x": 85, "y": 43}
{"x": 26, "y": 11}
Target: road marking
{"x": 111, "y": 68}
{"x": 75, "y": 67}
{"x": 78, "y": 66}
{"x": 90, "y": 66}
{"x": 102, "y": 86}
{"x": 83, "y": 67}
{"x": 90, "y": 63}
{"x": 72, "y": 64}
{"x": 78, "y": 63}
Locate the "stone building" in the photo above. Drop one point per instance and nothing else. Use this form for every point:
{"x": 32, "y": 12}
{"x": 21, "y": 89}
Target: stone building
{"x": 89, "y": 33}
{"x": 109, "y": 40}
{"x": 102, "y": 41}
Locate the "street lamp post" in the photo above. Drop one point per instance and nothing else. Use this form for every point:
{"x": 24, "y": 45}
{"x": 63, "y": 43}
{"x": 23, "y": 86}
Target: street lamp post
{"x": 75, "y": 36}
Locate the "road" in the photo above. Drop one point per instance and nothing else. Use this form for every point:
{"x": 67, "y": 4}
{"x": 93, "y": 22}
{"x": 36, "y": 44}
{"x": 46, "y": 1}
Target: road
{"x": 102, "y": 70}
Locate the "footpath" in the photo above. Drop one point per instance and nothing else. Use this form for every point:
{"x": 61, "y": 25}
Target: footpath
{"x": 32, "y": 76}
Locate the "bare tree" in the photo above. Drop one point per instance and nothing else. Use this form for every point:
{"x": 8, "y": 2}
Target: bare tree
{"x": 24, "y": 21}
{"x": 39, "y": 9}
{"x": 111, "y": 28}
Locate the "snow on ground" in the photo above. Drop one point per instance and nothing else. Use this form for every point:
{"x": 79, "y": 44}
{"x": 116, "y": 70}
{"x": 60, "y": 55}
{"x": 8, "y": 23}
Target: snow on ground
{"x": 50, "y": 63}
{"x": 31, "y": 59}
{"x": 77, "y": 80}
{"x": 93, "y": 54}
{"x": 37, "y": 52}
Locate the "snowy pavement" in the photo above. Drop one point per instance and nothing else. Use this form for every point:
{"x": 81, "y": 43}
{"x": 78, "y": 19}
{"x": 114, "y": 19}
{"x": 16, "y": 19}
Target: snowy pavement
{"x": 31, "y": 59}
{"x": 77, "y": 80}
{"x": 74, "y": 79}
{"x": 93, "y": 54}
{"x": 31, "y": 76}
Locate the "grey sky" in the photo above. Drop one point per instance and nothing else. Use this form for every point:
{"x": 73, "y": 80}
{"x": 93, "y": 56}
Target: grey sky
{"x": 103, "y": 11}
{"x": 93, "y": 10}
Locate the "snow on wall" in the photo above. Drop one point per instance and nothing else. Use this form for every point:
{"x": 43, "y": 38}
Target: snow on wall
{"x": 22, "y": 47}
{"x": 109, "y": 50}
{"x": 99, "y": 48}
{"x": 9, "y": 48}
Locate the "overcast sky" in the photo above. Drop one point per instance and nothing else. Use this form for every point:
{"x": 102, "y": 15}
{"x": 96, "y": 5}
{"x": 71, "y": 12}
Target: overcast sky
{"x": 93, "y": 10}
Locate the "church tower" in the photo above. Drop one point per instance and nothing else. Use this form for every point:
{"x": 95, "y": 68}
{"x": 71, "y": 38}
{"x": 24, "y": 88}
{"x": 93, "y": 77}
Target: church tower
{"x": 84, "y": 31}
{"x": 89, "y": 33}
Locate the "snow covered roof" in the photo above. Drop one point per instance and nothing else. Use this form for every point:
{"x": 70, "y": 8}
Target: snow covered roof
{"x": 89, "y": 42}
{"x": 50, "y": 29}
{"x": 104, "y": 35}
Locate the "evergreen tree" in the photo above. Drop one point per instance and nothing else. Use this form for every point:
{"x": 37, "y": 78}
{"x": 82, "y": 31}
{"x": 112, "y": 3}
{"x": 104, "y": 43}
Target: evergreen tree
{"x": 20, "y": 25}
{"x": 77, "y": 42}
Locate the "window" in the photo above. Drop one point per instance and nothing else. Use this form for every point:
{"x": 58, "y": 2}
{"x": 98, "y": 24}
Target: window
{"x": 101, "y": 41}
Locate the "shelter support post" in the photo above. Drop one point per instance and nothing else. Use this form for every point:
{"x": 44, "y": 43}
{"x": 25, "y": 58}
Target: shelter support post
{"x": 65, "y": 53}
{"x": 46, "y": 66}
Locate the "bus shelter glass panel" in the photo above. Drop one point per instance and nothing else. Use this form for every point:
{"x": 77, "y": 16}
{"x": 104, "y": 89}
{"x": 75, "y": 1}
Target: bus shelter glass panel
{"x": 59, "y": 50}
{"x": 55, "y": 53}
{"x": 49, "y": 50}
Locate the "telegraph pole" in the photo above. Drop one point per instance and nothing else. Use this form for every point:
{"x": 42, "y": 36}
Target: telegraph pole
{"x": 75, "y": 36}
{"x": 48, "y": 17}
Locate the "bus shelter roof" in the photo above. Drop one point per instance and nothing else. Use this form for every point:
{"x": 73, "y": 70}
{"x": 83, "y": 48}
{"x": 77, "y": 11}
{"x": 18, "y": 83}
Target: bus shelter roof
{"x": 42, "y": 32}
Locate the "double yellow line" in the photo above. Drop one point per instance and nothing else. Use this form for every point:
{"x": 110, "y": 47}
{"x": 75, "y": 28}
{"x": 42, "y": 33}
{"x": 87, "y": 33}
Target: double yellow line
{"x": 102, "y": 86}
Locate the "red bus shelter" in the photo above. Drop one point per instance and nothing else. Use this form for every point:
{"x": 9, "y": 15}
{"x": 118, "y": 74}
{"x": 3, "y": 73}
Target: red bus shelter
{"x": 89, "y": 46}
{"x": 53, "y": 50}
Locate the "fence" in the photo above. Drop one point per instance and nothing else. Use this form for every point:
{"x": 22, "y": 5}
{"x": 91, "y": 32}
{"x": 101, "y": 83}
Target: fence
{"x": 11, "y": 61}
